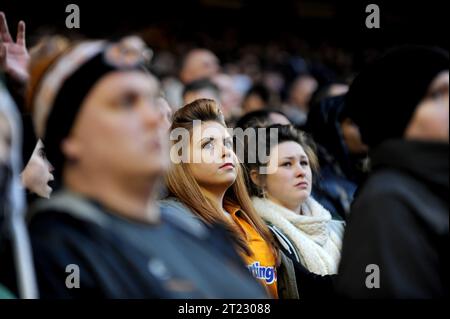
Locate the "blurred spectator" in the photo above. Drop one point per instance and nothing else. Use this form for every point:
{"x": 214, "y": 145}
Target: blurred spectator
{"x": 199, "y": 64}
{"x": 230, "y": 97}
{"x": 401, "y": 214}
{"x": 262, "y": 118}
{"x": 16, "y": 266}
{"x": 200, "y": 89}
{"x": 37, "y": 174}
{"x": 164, "y": 65}
{"x": 256, "y": 98}
{"x": 299, "y": 96}
{"x": 37, "y": 169}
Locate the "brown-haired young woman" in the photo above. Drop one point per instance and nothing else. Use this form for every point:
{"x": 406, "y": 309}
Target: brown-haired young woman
{"x": 209, "y": 183}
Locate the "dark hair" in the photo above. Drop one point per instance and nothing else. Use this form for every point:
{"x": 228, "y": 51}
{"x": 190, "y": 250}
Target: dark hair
{"x": 29, "y": 138}
{"x": 323, "y": 92}
{"x": 260, "y": 118}
{"x": 264, "y": 144}
{"x": 201, "y": 84}
{"x": 261, "y": 90}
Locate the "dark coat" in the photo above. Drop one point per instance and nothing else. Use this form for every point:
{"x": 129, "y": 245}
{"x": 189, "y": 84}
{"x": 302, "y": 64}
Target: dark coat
{"x": 400, "y": 223}
{"x": 293, "y": 275}
{"x": 120, "y": 258}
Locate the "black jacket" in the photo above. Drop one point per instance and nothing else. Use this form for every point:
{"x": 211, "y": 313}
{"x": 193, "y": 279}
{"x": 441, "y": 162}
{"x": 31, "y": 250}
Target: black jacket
{"x": 120, "y": 258}
{"x": 293, "y": 275}
{"x": 399, "y": 222}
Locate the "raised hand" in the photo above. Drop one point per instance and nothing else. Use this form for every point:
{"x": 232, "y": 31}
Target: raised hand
{"x": 14, "y": 56}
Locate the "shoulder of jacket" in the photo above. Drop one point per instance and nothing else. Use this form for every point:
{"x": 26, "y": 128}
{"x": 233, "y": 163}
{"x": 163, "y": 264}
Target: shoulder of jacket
{"x": 177, "y": 214}
{"x": 69, "y": 204}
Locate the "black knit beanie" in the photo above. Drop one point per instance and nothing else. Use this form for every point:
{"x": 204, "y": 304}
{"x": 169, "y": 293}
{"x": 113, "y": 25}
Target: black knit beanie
{"x": 383, "y": 97}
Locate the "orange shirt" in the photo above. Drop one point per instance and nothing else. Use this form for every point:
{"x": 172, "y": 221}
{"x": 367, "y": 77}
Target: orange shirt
{"x": 261, "y": 263}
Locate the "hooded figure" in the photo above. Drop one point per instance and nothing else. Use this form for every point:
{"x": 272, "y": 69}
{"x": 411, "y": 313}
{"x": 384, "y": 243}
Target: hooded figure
{"x": 396, "y": 241}
{"x": 13, "y": 233}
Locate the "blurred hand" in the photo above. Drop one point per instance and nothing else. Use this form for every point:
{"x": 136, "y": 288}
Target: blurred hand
{"x": 14, "y": 56}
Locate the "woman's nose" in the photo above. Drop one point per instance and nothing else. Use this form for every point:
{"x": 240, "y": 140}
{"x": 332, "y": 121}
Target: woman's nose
{"x": 50, "y": 167}
{"x": 300, "y": 171}
{"x": 226, "y": 151}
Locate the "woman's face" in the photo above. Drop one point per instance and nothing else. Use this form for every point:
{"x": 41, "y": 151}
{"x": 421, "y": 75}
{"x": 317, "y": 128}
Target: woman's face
{"x": 212, "y": 161}
{"x": 120, "y": 130}
{"x": 38, "y": 172}
{"x": 290, "y": 182}
{"x": 430, "y": 121}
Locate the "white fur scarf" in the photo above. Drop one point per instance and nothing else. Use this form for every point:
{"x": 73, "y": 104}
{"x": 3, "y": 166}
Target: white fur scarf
{"x": 316, "y": 236}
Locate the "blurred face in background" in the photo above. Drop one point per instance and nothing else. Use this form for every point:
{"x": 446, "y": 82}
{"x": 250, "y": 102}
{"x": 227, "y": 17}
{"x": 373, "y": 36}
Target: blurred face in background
{"x": 230, "y": 97}
{"x": 302, "y": 90}
{"x": 217, "y": 167}
{"x": 199, "y": 64}
{"x": 253, "y": 102}
{"x": 430, "y": 121}
{"x": 120, "y": 130}
{"x": 38, "y": 172}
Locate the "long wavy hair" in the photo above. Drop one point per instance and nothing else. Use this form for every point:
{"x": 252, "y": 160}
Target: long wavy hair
{"x": 182, "y": 185}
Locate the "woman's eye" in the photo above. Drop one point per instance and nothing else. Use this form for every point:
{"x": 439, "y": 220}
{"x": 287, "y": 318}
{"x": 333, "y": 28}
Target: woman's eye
{"x": 287, "y": 164}
{"x": 128, "y": 100}
{"x": 304, "y": 163}
{"x": 208, "y": 145}
{"x": 439, "y": 93}
{"x": 41, "y": 154}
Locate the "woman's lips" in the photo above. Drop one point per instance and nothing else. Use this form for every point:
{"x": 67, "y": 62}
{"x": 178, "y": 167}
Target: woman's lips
{"x": 227, "y": 166}
{"x": 302, "y": 185}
